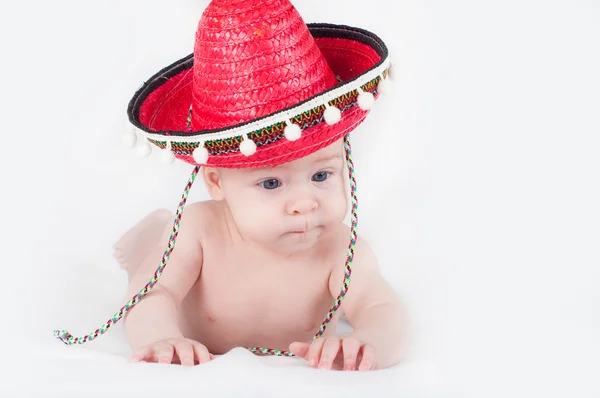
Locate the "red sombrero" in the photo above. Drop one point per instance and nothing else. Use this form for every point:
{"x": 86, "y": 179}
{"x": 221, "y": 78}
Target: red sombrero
{"x": 261, "y": 88}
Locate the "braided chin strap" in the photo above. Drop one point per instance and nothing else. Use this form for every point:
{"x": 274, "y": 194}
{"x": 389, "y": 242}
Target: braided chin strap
{"x": 69, "y": 339}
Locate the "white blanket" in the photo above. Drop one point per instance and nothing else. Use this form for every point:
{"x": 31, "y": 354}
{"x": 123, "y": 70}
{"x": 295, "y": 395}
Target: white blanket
{"x": 100, "y": 369}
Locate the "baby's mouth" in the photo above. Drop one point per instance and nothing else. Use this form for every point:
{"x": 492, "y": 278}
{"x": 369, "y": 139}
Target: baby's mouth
{"x": 298, "y": 231}
{"x": 306, "y": 228}
{"x": 303, "y": 231}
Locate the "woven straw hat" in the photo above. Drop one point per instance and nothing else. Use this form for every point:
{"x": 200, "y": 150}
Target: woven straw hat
{"x": 262, "y": 88}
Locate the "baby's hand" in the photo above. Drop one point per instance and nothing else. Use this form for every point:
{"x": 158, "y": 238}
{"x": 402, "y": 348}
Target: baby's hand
{"x": 178, "y": 350}
{"x": 336, "y": 353}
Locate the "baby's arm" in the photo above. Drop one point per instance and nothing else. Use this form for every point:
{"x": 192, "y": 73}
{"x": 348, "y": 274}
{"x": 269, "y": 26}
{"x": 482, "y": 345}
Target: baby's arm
{"x": 375, "y": 312}
{"x": 154, "y": 318}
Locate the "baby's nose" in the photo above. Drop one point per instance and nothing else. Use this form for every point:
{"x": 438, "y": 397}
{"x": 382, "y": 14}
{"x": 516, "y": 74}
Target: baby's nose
{"x": 302, "y": 205}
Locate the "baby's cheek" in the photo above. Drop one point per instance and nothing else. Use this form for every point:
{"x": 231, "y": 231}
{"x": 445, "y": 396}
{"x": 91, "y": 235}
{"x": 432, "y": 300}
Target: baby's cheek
{"x": 337, "y": 208}
{"x": 261, "y": 223}
{"x": 347, "y": 205}
{"x": 344, "y": 201}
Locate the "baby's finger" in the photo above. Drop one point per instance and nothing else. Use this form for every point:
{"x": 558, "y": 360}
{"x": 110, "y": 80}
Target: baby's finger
{"x": 314, "y": 351}
{"x": 185, "y": 352}
{"x": 142, "y": 354}
{"x": 201, "y": 353}
{"x": 330, "y": 351}
{"x": 299, "y": 349}
{"x": 350, "y": 347}
{"x": 164, "y": 353}
{"x": 368, "y": 358}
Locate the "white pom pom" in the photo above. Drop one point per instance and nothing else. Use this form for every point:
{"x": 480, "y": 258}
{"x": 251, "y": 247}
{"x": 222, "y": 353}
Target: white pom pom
{"x": 332, "y": 115}
{"x": 143, "y": 149}
{"x": 390, "y": 75}
{"x": 292, "y": 131}
{"x": 166, "y": 155}
{"x": 365, "y": 100}
{"x": 247, "y": 147}
{"x": 200, "y": 154}
{"x": 129, "y": 139}
{"x": 384, "y": 86}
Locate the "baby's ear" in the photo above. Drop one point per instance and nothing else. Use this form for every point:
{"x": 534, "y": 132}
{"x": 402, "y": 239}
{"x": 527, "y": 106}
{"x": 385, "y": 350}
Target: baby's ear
{"x": 212, "y": 179}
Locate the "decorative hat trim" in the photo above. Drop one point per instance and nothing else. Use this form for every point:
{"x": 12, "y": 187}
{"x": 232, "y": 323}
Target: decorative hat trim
{"x": 331, "y": 98}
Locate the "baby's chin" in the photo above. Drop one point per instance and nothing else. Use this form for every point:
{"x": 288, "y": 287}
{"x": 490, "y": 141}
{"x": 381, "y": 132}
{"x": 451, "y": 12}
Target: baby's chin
{"x": 295, "y": 250}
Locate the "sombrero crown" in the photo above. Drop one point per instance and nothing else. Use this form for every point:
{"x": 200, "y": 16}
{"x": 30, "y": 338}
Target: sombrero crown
{"x": 261, "y": 88}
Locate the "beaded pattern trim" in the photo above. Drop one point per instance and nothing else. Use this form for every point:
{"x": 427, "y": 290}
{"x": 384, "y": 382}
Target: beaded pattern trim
{"x": 266, "y": 135}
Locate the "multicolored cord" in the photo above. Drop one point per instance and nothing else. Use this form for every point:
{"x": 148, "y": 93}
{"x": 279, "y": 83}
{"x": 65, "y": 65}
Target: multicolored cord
{"x": 68, "y": 339}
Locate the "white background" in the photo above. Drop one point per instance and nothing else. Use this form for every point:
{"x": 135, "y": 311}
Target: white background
{"x": 478, "y": 179}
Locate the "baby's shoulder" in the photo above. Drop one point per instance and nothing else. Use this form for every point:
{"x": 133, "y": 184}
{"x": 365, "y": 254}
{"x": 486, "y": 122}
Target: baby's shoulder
{"x": 202, "y": 216}
{"x": 363, "y": 262}
{"x": 210, "y": 209}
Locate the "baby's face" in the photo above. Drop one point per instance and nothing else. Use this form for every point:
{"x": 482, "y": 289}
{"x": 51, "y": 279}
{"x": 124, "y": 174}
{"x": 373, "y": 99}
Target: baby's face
{"x": 289, "y": 207}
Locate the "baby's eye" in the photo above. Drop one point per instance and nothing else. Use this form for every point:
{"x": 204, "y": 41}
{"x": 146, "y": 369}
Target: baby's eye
{"x": 271, "y": 183}
{"x": 320, "y": 176}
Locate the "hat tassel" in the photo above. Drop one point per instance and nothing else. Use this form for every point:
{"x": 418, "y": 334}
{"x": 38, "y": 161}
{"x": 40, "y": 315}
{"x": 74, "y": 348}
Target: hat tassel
{"x": 384, "y": 86}
{"x": 366, "y": 100}
{"x": 332, "y": 115}
{"x": 200, "y": 154}
{"x": 292, "y": 131}
{"x": 143, "y": 149}
{"x": 247, "y": 147}
{"x": 166, "y": 155}
{"x": 129, "y": 139}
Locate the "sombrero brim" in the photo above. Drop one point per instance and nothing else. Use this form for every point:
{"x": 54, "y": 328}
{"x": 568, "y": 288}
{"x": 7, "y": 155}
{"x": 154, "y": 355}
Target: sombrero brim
{"x": 161, "y": 107}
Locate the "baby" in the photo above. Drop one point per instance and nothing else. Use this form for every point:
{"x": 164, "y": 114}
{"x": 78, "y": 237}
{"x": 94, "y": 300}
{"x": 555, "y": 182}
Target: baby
{"x": 260, "y": 265}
